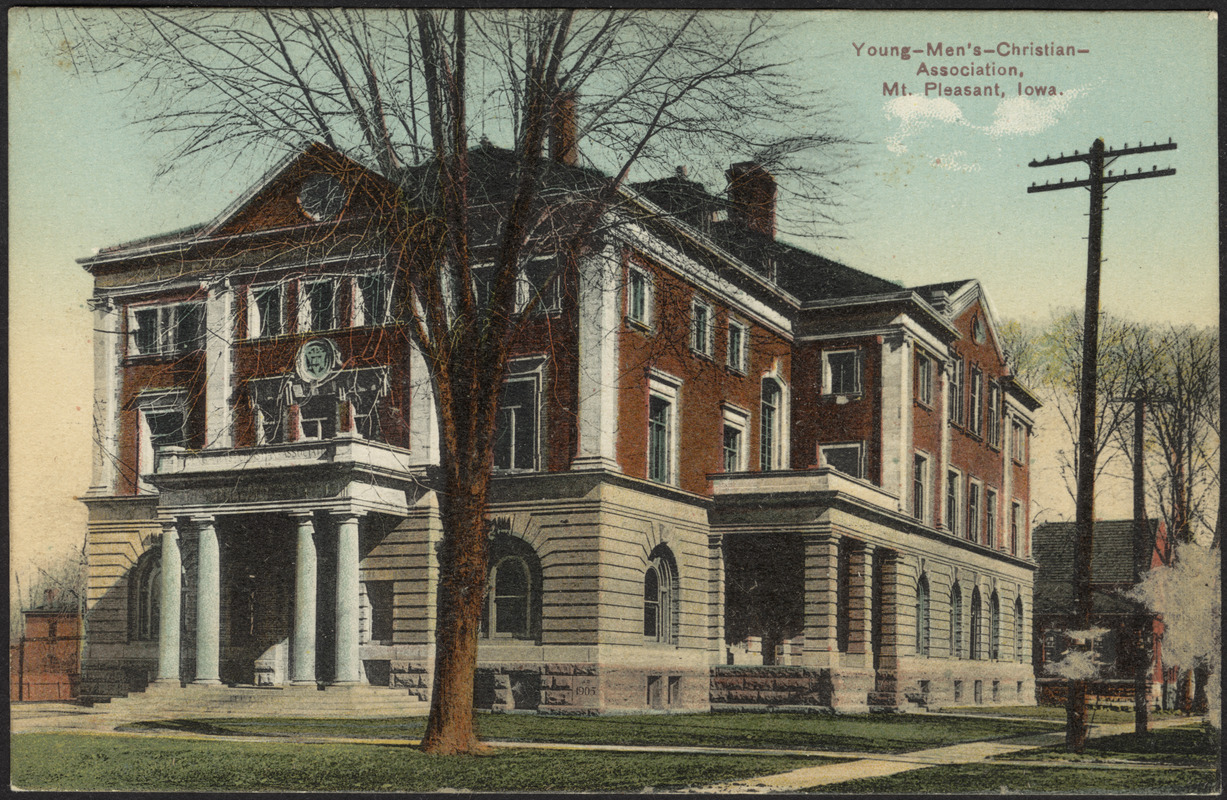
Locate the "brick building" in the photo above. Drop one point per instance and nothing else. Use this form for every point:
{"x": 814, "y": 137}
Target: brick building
{"x": 45, "y": 661}
{"x": 1119, "y": 561}
{"x": 729, "y": 471}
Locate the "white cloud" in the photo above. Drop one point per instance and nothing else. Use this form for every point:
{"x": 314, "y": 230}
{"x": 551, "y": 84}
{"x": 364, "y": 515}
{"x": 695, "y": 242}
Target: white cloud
{"x": 1022, "y": 116}
{"x": 1013, "y": 116}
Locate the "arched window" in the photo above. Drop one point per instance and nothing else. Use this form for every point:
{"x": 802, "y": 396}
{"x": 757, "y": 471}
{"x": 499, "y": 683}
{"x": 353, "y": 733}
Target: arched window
{"x": 922, "y": 616}
{"x": 1018, "y": 629}
{"x": 976, "y": 616}
{"x": 994, "y": 627}
{"x": 660, "y": 597}
{"x": 770, "y": 439}
{"x": 956, "y": 621}
{"x": 513, "y": 594}
{"x": 145, "y": 598}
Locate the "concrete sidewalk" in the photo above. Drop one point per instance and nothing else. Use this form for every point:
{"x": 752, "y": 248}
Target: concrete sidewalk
{"x": 63, "y": 717}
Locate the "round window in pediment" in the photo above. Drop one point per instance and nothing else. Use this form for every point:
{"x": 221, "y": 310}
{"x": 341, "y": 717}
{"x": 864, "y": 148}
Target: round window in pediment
{"x": 321, "y": 197}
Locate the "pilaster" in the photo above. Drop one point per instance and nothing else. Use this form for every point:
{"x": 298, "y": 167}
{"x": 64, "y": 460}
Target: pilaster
{"x": 219, "y": 366}
{"x": 821, "y": 599}
{"x": 600, "y": 277}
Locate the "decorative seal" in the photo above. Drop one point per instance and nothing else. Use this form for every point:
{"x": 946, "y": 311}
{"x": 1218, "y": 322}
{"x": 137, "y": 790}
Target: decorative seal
{"x": 318, "y": 360}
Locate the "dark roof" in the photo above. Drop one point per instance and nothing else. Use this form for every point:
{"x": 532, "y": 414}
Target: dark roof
{"x": 1052, "y": 546}
{"x": 804, "y": 275}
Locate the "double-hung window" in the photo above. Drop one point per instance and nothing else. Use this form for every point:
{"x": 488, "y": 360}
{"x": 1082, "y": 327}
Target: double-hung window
{"x": 954, "y": 483}
{"x": 638, "y": 297}
{"x": 957, "y": 403}
{"x": 973, "y": 511}
{"x": 371, "y": 299}
{"x": 166, "y": 329}
{"x": 317, "y": 310}
{"x": 920, "y": 487}
{"x": 990, "y": 518}
{"x": 994, "y": 414}
{"x": 162, "y": 423}
{"x": 847, "y": 458}
{"x": 539, "y": 282}
{"x": 701, "y": 328}
{"x": 663, "y": 396}
{"x": 266, "y": 312}
{"x": 1018, "y": 443}
{"x": 976, "y": 389}
{"x": 738, "y": 346}
{"x": 841, "y": 372}
{"x": 1016, "y": 527}
{"x": 736, "y": 423}
{"x": 770, "y": 437}
{"x": 516, "y": 440}
{"x": 924, "y": 378}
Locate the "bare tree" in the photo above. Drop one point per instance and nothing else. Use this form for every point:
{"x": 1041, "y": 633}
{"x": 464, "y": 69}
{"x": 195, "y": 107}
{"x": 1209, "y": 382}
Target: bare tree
{"x": 406, "y": 92}
{"x": 1049, "y": 358}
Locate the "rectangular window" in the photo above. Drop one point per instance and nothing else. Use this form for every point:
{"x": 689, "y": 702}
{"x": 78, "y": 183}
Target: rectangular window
{"x": 738, "y": 347}
{"x": 957, "y": 376}
{"x": 267, "y": 314}
{"x": 515, "y": 442}
{"x": 920, "y": 483}
{"x": 371, "y": 303}
{"x": 841, "y": 372}
{"x": 770, "y": 435}
{"x": 540, "y": 276}
{"x": 660, "y": 434}
{"x": 732, "y": 449}
{"x": 994, "y": 414}
{"x": 846, "y": 458}
{"x": 318, "y": 417}
{"x": 380, "y": 596}
{"x": 1018, "y": 443}
{"x": 167, "y": 329}
{"x": 953, "y": 483}
{"x": 318, "y": 311}
{"x": 924, "y": 378}
{"x": 167, "y": 428}
{"x": 701, "y": 328}
{"x": 990, "y": 517}
{"x": 638, "y": 297}
{"x": 973, "y": 511}
{"x": 976, "y": 389}
{"x": 1016, "y": 527}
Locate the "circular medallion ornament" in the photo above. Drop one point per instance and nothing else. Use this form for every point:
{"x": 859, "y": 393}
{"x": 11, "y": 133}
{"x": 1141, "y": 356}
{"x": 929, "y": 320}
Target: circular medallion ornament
{"x": 321, "y": 197}
{"x": 977, "y": 330}
{"x": 318, "y": 360}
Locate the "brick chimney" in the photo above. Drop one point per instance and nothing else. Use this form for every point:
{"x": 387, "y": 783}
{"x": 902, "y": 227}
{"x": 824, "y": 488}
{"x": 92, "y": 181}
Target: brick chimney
{"x": 564, "y": 130}
{"x": 752, "y": 195}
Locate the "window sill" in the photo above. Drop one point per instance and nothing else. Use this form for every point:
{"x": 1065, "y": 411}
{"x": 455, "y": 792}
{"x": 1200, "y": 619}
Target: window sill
{"x": 638, "y": 325}
{"x": 702, "y": 355}
{"x": 841, "y": 398}
{"x": 922, "y": 404}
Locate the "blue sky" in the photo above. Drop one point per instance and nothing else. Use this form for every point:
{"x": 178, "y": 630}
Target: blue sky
{"x": 939, "y": 194}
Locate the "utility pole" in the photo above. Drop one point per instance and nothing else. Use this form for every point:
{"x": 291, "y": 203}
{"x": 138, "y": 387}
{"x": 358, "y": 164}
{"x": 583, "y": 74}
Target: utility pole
{"x": 1096, "y": 160}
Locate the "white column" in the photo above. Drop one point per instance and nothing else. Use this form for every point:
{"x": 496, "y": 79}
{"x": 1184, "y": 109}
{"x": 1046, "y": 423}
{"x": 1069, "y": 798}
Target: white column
{"x": 896, "y": 416}
{"x": 600, "y": 316}
{"x": 219, "y": 366}
{"x": 943, "y": 464}
{"x": 304, "y": 602}
{"x": 349, "y": 665}
{"x": 208, "y": 602}
{"x": 107, "y": 345}
{"x": 423, "y": 414}
{"x": 168, "y": 613}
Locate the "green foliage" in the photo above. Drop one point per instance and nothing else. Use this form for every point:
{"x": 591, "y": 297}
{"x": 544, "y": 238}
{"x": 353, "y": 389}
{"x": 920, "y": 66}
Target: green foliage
{"x": 99, "y": 762}
{"x": 1186, "y": 745}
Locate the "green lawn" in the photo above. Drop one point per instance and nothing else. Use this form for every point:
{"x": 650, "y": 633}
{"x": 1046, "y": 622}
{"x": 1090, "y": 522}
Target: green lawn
{"x": 70, "y": 761}
{"x": 1056, "y": 713}
{"x": 1190, "y": 745}
{"x": 996, "y": 779}
{"x": 865, "y": 733}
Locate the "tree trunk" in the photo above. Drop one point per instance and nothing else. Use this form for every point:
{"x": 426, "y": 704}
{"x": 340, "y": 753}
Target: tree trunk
{"x": 1143, "y": 669}
{"x": 462, "y": 581}
{"x": 1201, "y": 676}
{"x": 1076, "y": 729}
